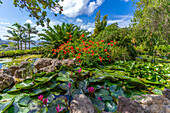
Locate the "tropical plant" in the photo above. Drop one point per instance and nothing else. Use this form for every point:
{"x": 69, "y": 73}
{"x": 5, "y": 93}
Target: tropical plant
{"x": 30, "y": 30}
{"x": 14, "y": 36}
{"x": 54, "y": 37}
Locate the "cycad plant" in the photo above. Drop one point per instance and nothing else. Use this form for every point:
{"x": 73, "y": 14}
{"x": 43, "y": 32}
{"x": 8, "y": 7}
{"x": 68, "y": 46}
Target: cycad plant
{"x": 54, "y": 37}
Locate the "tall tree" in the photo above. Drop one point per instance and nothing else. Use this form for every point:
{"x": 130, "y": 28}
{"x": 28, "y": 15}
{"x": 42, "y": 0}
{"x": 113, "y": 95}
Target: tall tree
{"x": 152, "y": 18}
{"x": 29, "y": 30}
{"x": 20, "y": 32}
{"x": 99, "y": 25}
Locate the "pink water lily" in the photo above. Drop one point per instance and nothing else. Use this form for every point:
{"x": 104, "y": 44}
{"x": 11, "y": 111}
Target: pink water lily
{"x": 58, "y": 108}
{"x": 91, "y": 89}
{"x": 45, "y": 101}
{"x": 40, "y": 97}
{"x": 99, "y": 98}
{"x": 102, "y": 87}
{"x": 69, "y": 85}
{"x": 79, "y": 70}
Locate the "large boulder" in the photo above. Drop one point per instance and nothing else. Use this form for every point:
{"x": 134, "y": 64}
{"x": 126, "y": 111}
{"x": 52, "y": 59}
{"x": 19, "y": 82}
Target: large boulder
{"x": 128, "y": 106}
{"x": 12, "y": 69}
{"x": 50, "y": 68}
{"x": 144, "y": 104}
{"x": 166, "y": 93}
{"x": 81, "y": 104}
{"x": 5, "y": 79}
{"x": 42, "y": 62}
{"x": 69, "y": 62}
{"x": 154, "y": 103}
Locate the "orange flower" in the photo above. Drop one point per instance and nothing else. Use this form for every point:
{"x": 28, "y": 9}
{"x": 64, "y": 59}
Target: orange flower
{"x": 70, "y": 39}
{"x": 97, "y": 42}
{"x": 70, "y": 36}
{"x": 150, "y": 33}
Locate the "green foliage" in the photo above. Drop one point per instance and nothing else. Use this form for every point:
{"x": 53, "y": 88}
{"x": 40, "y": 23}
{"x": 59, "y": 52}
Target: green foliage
{"x": 4, "y": 45}
{"x": 109, "y": 83}
{"x": 54, "y": 37}
{"x": 99, "y": 25}
{"x": 114, "y": 33}
{"x": 38, "y": 8}
{"x": 12, "y": 53}
{"x": 151, "y": 16}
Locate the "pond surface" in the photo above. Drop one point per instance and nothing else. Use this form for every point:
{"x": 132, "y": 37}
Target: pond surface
{"x": 4, "y": 60}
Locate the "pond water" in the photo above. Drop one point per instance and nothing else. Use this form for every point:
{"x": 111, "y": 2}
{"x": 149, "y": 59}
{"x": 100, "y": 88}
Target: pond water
{"x": 4, "y": 60}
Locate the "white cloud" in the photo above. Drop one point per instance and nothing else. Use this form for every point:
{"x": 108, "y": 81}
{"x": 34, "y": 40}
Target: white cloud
{"x": 4, "y": 23}
{"x": 28, "y": 21}
{"x": 91, "y": 30}
{"x": 124, "y": 20}
{"x": 79, "y": 20}
{"x": 74, "y": 8}
{"x": 126, "y": 0}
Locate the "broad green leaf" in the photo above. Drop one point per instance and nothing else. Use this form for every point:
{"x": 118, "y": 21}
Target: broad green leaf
{"x": 5, "y": 105}
{"x": 24, "y": 101}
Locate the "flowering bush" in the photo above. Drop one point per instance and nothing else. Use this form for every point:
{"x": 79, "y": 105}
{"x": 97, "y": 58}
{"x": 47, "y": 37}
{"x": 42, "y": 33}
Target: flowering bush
{"x": 86, "y": 52}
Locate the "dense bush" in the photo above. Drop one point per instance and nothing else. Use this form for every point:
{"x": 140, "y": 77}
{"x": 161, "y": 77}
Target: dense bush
{"x": 18, "y": 52}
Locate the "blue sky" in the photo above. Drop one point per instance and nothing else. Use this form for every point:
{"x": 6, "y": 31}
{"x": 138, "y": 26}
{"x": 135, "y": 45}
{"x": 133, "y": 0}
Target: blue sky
{"x": 79, "y": 12}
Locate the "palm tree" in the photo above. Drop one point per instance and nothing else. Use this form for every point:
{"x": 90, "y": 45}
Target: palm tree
{"x": 14, "y": 36}
{"x": 30, "y": 30}
{"x": 20, "y": 32}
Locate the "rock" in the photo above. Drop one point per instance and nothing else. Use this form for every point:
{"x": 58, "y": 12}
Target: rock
{"x": 42, "y": 62}
{"x": 154, "y": 103}
{"x": 5, "y": 79}
{"x": 23, "y": 72}
{"x": 166, "y": 93}
{"x": 24, "y": 64}
{"x": 81, "y": 104}
{"x": 12, "y": 69}
{"x": 128, "y": 106}
{"x": 69, "y": 62}
{"x": 50, "y": 68}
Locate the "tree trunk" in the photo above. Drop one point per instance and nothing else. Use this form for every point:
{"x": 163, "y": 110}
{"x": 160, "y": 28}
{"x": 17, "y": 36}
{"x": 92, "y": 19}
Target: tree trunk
{"x": 29, "y": 41}
{"x": 21, "y": 44}
{"x": 25, "y": 45}
{"x": 18, "y": 44}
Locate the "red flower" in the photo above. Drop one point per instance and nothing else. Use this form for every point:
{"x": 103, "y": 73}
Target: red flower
{"x": 82, "y": 40}
{"x": 79, "y": 53}
{"x": 105, "y": 50}
{"x": 108, "y": 43}
{"x": 87, "y": 45}
{"x": 89, "y": 52}
{"x": 71, "y": 48}
{"x": 111, "y": 44}
{"x": 114, "y": 42}
{"x": 78, "y": 57}
{"x": 82, "y": 35}
{"x": 90, "y": 41}
{"x": 111, "y": 41}
{"x": 79, "y": 61}
{"x": 68, "y": 51}
{"x": 109, "y": 60}
{"x": 83, "y": 43}
{"x": 61, "y": 9}
{"x": 151, "y": 43}
{"x": 97, "y": 42}
{"x": 70, "y": 39}
{"x": 80, "y": 45}
{"x": 92, "y": 51}
{"x": 92, "y": 54}
{"x": 100, "y": 58}
{"x": 102, "y": 40}
{"x": 52, "y": 49}
{"x": 67, "y": 41}
{"x": 63, "y": 58}
{"x": 150, "y": 33}
{"x": 54, "y": 53}
{"x": 107, "y": 56}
